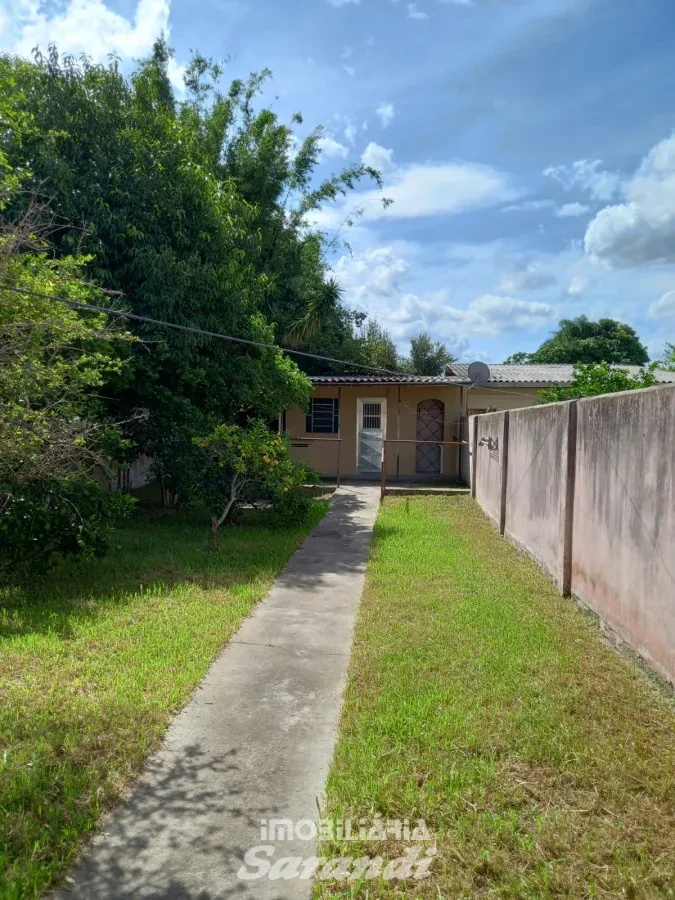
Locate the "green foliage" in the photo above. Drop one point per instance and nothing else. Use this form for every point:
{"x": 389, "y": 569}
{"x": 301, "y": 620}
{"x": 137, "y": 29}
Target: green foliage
{"x": 53, "y": 360}
{"x": 196, "y": 212}
{"x": 376, "y": 348}
{"x": 58, "y": 517}
{"x": 517, "y": 358}
{"x": 428, "y": 357}
{"x": 598, "y": 378}
{"x": 582, "y": 341}
{"x": 241, "y": 461}
{"x": 668, "y": 361}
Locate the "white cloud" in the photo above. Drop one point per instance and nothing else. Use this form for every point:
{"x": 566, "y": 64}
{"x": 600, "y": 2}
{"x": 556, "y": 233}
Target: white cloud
{"x": 415, "y": 13}
{"x": 664, "y": 307}
{"x": 375, "y": 272}
{"x": 526, "y": 275}
{"x": 339, "y": 3}
{"x": 350, "y": 70}
{"x": 331, "y": 147}
{"x": 88, "y": 26}
{"x": 378, "y": 157}
{"x": 586, "y": 175}
{"x": 641, "y": 229}
{"x": 577, "y": 286}
{"x": 350, "y": 134}
{"x": 422, "y": 190}
{"x": 571, "y": 210}
{"x": 347, "y": 53}
{"x": 432, "y": 189}
{"x": 386, "y": 113}
{"x": 491, "y": 314}
{"x": 529, "y": 206}
{"x": 374, "y": 281}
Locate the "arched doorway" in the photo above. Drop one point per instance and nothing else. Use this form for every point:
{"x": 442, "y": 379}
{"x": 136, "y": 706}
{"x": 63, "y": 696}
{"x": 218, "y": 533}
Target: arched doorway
{"x": 429, "y": 428}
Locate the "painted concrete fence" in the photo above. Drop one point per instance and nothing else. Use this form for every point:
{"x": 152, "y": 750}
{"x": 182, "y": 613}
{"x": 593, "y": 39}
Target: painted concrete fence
{"x": 588, "y": 489}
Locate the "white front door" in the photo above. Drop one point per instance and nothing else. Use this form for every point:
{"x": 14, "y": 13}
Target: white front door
{"x": 371, "y": 425}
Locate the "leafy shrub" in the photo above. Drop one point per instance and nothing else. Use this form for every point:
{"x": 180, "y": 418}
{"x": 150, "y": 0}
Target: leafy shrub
{"x": 593, "y": 379}
{"x": 289, "y": 508}
{"x": 67, "y": 517}
{"x": 240, "y": 462}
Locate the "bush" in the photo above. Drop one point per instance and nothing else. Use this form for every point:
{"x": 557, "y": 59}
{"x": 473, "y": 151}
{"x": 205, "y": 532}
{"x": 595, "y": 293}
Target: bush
{"x": 240, "y": 462}
{"x": 291, "y": 508}
{"x": 50, "y": 519}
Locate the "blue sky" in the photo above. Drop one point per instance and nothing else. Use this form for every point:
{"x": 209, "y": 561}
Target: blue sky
{"x": 528, "y": 145}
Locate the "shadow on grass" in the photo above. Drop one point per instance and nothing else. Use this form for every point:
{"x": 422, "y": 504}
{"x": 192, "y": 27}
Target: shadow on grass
{"x": 152, "y": 554}
{"x": 155, "y": 553}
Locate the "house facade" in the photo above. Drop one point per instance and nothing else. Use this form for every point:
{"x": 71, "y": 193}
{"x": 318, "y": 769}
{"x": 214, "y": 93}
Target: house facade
{"x": 414, "y": 423}
{"x": 351, "y": 416}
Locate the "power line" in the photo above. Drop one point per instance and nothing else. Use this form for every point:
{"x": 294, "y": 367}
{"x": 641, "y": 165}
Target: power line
{"x": 76, "y": 304}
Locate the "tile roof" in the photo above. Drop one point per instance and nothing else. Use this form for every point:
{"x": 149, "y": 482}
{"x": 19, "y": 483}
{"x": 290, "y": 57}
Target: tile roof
{"x": 534, "y": 374}
{"x": 389, "y": 379}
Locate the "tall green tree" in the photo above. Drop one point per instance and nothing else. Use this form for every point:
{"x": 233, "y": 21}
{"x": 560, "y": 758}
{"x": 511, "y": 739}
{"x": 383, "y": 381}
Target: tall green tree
{"x": 428, "y": 357}
{"x": 581, "y": 340}
{"x": 194, "y": 211}
{"x": 54, "y": 360}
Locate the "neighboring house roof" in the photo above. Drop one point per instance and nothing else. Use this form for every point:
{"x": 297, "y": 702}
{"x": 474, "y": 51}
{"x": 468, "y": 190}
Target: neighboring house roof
{"x": 389, "y": 379}
{"x": 536, "y": 375}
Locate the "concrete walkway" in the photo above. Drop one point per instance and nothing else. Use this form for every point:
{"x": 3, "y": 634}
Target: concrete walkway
{"x": 255, "y": 742}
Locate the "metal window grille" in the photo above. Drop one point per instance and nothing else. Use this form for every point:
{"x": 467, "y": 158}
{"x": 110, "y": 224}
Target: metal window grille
{"x": 372, "y": 416}
{"x": 323, "y": 416}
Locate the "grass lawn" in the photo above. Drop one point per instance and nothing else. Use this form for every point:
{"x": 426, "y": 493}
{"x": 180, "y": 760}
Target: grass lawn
{"x": 484, "y": 703}
{"x": 96, "y": 658}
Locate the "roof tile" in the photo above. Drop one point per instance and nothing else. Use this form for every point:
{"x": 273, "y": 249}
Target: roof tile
{"x": 535, "y": 374}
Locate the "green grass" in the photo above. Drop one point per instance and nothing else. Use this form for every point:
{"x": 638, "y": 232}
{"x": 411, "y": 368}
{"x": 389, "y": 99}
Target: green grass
{"x": 484, "y": 703}
{"x": 96, "y": 658}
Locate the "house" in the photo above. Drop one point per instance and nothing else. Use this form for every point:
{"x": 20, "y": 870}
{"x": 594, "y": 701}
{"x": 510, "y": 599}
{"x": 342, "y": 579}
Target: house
{"x": 515, "y": 386}
{"x": 420, "y": 419}
{"x": 350, "y": 415}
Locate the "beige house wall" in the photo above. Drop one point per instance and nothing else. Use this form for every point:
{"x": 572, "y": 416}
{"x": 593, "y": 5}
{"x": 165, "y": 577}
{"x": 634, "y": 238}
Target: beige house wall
{"x": 500, "y": 397}
{"x": 401, "y": 422}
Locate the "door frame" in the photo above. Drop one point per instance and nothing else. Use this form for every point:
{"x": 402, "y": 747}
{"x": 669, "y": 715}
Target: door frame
{"x": 359, "y": 419}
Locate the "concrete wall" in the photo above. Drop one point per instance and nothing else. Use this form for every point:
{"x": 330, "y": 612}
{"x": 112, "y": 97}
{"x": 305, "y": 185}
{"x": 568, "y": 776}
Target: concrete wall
{"x": 588, "y": 488}
{"x": 535, "y": 480}
{"x": 489, "y": 447}
{"x": 623, "y": 552}
{"x": 401, "y": 422}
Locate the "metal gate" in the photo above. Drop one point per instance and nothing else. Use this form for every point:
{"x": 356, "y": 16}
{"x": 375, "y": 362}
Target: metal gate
{"x": 429, "y": 428}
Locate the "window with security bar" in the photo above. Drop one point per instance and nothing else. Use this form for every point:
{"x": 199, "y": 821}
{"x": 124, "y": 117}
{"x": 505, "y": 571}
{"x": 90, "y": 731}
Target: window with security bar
{"x": 372, "y": 416}
{"x": 323, "y": 416}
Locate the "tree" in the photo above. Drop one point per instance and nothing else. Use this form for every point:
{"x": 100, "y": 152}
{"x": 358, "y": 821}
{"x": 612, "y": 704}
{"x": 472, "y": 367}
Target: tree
{"x": 53, "y": 429}
{"x": 592, "y": 379}
{"x": 668, "y": 361}
{"x": 194, "y": 211}
{"x": 238, "y": 459}
{"x": 517, "y": 358}
{"x": 428, "y": 357}
{"x": 376, "y": 348}
{"x": 582, "y": 341}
